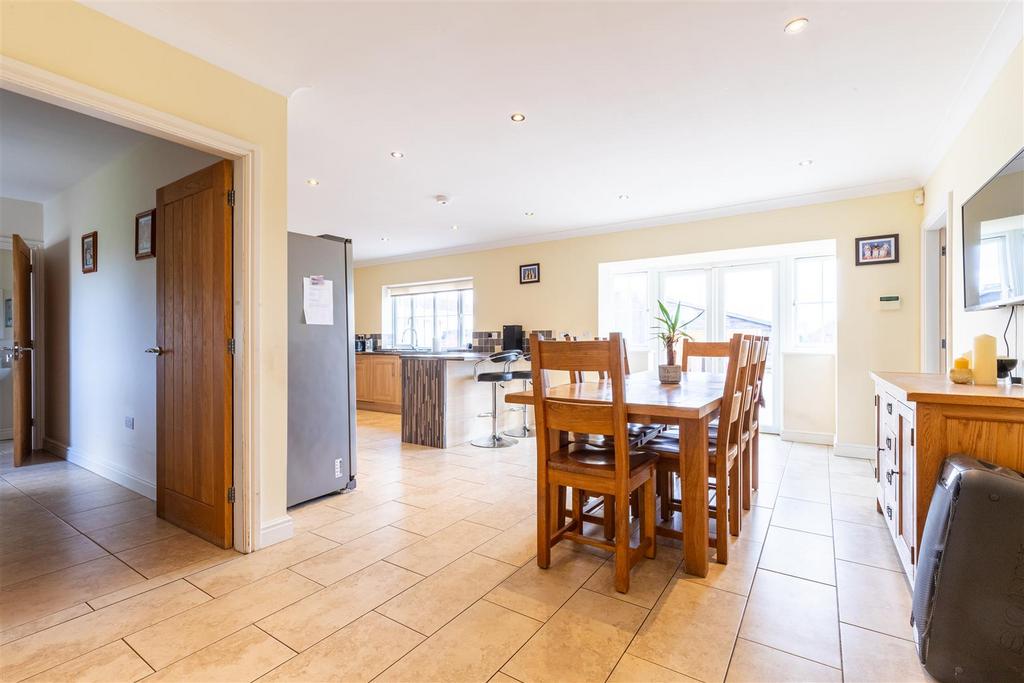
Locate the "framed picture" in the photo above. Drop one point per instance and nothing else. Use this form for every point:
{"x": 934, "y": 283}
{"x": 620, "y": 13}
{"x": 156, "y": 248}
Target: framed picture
{"x": 90, "y": 251}
{"x": 145, "y": 235}
{"x": 878, "y": 249}
{"x": 529, "y": 274}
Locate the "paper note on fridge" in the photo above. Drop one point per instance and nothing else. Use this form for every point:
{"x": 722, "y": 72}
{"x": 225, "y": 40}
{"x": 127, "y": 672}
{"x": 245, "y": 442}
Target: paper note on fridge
{"x": 318, "y": 300}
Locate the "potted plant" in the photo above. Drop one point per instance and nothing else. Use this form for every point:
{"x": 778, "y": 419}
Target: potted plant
{"x": 670, "y": 332}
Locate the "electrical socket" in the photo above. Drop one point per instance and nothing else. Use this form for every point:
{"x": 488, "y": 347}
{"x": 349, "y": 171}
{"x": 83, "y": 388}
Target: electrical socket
{"x": 337, "y": 468}
{"x": 129, "y": 423}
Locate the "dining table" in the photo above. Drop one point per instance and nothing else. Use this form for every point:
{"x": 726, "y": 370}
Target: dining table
{"x": 691, "y": 404}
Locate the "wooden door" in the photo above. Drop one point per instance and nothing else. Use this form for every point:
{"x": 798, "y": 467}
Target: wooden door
{"x": 194, "y": 361}
{"x": 21, "y": 357}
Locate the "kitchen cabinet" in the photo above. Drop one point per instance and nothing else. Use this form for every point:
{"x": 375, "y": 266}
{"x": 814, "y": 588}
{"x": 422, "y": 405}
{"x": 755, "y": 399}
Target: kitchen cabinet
{"x": 920, "y": 420}
{"x": 379, "y": 382}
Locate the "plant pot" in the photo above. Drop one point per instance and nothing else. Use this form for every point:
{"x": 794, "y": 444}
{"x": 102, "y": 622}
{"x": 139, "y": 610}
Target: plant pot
{"x": 669, "y": 374}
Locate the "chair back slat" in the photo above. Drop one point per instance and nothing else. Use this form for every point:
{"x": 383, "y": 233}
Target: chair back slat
{"x": 571, "y": 416}
{"x": 695, "y": 349}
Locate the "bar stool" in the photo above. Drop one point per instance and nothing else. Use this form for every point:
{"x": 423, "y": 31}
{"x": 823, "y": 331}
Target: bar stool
{"x": 524, "y": 430}
{"x": 506, "y": 358}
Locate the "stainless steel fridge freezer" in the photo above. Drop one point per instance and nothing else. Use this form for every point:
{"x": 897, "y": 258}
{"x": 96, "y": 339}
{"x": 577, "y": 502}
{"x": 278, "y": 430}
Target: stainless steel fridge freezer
{"x": 321, "y": 368}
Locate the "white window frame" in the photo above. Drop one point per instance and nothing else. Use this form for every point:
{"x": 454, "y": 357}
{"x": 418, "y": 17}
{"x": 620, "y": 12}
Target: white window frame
{"x": 390, "y": 326}
{"x": 792, "y": 345}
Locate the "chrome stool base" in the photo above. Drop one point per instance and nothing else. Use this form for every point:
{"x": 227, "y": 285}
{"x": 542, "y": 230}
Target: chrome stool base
{"x": 522, "y": 432}
{"x": 494, "y": 441}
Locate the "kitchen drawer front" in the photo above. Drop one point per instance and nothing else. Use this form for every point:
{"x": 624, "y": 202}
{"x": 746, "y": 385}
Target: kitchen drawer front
{"x": 888, "y": 413}
{"x": 889, "y": 481}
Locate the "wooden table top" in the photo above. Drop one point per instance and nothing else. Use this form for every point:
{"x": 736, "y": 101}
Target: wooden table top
{"x": 697, "y": 395}
{"x": 920, "y": 387}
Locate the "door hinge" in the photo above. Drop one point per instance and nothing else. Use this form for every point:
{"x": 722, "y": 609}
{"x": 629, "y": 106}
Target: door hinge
{"x": 231, "y": 197}
{"x": 943, "y": 344}
{"x": 231, "y": 346}
{"x": 32, "y": 422}
{"x": 942, "y": 251}
{"x": 911, "y": 437}
{"x": 231, "y": 494}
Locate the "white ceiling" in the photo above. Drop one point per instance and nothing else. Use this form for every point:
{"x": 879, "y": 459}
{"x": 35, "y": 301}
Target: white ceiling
{"x": 683, "y": 106}
{"x": 45, "y": 149}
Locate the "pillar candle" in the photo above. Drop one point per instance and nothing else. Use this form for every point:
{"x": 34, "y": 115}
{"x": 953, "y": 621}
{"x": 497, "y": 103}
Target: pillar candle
{"x": 984, "y": 359}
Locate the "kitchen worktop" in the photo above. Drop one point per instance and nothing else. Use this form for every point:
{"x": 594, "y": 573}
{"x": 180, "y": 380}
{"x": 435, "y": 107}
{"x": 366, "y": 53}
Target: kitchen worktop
{"x": 443, "y": 355}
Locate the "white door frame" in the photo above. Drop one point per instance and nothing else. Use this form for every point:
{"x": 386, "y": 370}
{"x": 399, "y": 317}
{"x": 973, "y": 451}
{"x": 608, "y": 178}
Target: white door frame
{"x": 43, "y": 85}
{"x": 942, "y": 217}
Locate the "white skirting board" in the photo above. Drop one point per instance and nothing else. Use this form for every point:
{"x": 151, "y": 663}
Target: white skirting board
{"x": 102, "y": 468}
{"x": 855, "y": 450}
{"x": 275, "y": 531}
{"x": 808, "y": 437}
{"x": 6, "y": 434}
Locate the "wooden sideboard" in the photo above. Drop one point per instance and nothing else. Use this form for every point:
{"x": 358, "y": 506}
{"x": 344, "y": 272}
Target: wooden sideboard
{"x": 920, "y": 419}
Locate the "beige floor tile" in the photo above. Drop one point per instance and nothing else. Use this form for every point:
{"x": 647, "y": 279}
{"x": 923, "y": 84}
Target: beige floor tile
{"x": 870, "y": 657}
{"x": 875, "y": 599}
{"x": 501, "y": 678}
{"x": 812, "y": 487}
{"x": 36, "y": 625}
{"x": 632, "y": 669}
{"x": 246, "y": 569}
{"x": 538, "y": 593}
{"x": 113, "y": 662}
{"x": 738, "y": 574}
{"x": 243, "y": 656}
{"x": 149, "y": 584}
{"x": 349, "y": 558}
{"x": 362, "y": 523}
{"x": 861, "y": 467}
{"x": 180, "y": 636}
{"x": 766, "y": 493}
{"x": 471, "y": 647}
{"x": 312, "y": 619}
{"x": 865, "y": 545}
{"x": 313, "y": 516}
{"x": 853, "y": 484}
{"x": 110, "y": 515}
{"x": 691, "y": 630}
{"x": 49, "y": 593}
{"x": 370, "y": 497}
{"x": 48, "y": 556}
{"x": 440, "y": 597}
{"x": 355, "y": 654}
{"x": 135, "y": 533}
{"x": 590, "y": 630}
{"x": 447, "y": 545}
{"x": 517, "y": 545}
{"x": 170, "y": 554}
{"x": 756, "y": 663}
{"x": 803, "y": 515}
{"x": 436, "y": 518}
{"x": 46, "y": 649}
{"x": 67, "y": 505}
{"x": 793, "y": 615}
{"x": 856, "y": 509}
{"x": 32, "y": 529}
{"x": 798, "y": 553}
{"x": 647, "y": 579}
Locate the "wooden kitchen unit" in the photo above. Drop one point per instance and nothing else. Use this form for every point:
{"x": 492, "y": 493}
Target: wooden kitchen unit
{"x": 379, "y": 382}
{"x": 920, "y": 420}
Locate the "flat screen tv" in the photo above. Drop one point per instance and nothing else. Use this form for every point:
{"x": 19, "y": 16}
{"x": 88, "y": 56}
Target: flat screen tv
{"x": 993, "y": 224}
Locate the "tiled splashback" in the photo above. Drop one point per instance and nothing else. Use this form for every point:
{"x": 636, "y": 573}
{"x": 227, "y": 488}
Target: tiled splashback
{"x": 483, "y": 342}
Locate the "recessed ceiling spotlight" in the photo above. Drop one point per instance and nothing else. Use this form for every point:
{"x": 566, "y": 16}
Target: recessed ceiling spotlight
{"x": 397, "y": 155}
{"x": 455, "y": 227}
{"x": 805, "y": 162}
{"x": 441, "y": 199}
{"x": 518, "y": 118}
{"x": 312, "y": 182}
{"x": 623, "y": 196}
{"x": 384, "y": 239}
{"x": 528, "y": 213}
{"x": 794, "y": 26}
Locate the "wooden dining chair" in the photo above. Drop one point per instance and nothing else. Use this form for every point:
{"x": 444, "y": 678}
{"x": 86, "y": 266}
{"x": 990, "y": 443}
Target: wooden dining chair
{"x": 755, "y": 421}
{"x": 724, "y": 451}
{"x": 747, "y": 417}
{"x": 616, "y": 471}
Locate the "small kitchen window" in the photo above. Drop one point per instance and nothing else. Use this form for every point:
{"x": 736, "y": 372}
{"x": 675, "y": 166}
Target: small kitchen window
{"x": 428, "y": 315}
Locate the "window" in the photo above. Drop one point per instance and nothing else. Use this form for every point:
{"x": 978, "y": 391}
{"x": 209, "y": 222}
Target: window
{"x": 814, "y": 302}
{"x": 629, "y": 308}
{"x": 415, "y": 315}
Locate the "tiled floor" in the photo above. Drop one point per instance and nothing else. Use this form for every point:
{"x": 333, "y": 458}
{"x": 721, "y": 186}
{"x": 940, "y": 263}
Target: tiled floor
{"x": 426, "y": 573}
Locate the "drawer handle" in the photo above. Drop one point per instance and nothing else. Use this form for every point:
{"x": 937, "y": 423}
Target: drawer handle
{"x": 888, "y": 408}
{"x": 888, "y": 442}
{"x": 888, "y": 511}
{"x": 890, "y": 474}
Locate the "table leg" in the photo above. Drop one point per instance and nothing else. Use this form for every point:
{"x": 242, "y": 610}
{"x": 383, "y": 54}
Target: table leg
{"x": 693, "y": 469}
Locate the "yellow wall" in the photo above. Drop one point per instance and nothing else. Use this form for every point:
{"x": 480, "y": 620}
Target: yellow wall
{"x": 992, "y": 136}
{"x": 78, "y": 43}
{"x": 566, "y": 297}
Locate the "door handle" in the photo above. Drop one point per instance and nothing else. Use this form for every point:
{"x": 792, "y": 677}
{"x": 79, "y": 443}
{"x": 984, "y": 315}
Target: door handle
{"x": 14, "y": 352}
{"x": 155, "y": 350}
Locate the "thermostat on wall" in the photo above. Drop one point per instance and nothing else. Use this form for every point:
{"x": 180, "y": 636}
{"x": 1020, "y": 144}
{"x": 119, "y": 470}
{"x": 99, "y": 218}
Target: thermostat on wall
{"x": 889, "y": 302}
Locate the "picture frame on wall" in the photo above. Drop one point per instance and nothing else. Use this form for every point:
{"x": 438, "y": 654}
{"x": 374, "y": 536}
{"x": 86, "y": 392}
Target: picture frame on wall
{"x": 90, "y": 252}
{"x": 145, "y": 235}
{"x": 878, "y": 249}
{"x": 529, "y": 274}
